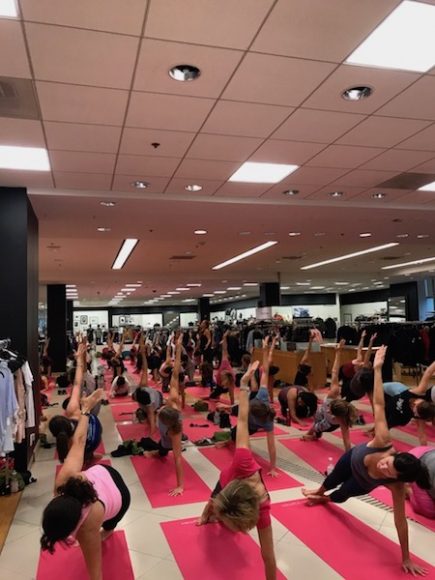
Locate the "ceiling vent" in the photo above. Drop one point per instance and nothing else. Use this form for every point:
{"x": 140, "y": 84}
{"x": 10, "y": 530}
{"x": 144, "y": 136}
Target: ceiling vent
{"x": 182, "y": 257}
{"x": 291, "y": 257}
{"x": 407, "y": 181}
{"x": 18, "y": 98}
{"x": 391, "y": 258}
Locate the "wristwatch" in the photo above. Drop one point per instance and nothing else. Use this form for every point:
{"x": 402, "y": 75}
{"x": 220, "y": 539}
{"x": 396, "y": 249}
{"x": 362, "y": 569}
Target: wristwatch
{"x": 85, "y": 413}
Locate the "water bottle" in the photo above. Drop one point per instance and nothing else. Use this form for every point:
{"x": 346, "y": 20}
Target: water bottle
{"x": 330, "y": 466}
{"x": 14, "y": 482}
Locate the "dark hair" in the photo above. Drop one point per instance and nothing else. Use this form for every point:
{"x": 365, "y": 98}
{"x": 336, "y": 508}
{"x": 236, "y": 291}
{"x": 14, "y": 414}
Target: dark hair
{"x": 343, "y": 409}
{"x": 184, "y": 359}
{"x": 306, "y": 405}
{"x": 61, "y": 428}
{"x": 246, "y": 359}
{"x": 206, "y": 370}
{"x": 261, "y": 411}
{"x": 425, "y": 410}
{"x": 304, "y": 369}
{"x": 141, "y": 396}
{"x": 273, "y": 370}
{"x": 411, "y": 469}
{"x": 65, "y": 403}
{"x": 62, "y": 514}
{"x": 120, "y": 382}
{"x": 362, "y": 382}
{"x": 63, "y": 381}
{"x": 171, "y": 418}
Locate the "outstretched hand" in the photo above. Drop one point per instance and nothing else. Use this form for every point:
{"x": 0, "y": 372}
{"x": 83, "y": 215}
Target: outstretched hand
{"x": 373, "y": 338}
{"x": 89, "y": 402}
{"x": 409, "y": 567}
{"x": 340, "y": 344}
{"x": 250, "y": 371}
{"x": 380, "y": 357}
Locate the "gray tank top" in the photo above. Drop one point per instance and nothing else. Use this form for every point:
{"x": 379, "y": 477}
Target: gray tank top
{"x": 359, "y": 470}
{"x": 165, "y": 438}
{"x": 428, "y": 460}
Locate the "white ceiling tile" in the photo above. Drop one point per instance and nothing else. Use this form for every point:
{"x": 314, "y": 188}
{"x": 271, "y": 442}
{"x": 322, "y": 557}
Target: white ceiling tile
{"x": 398, "y": 160}
{"x": 21, "y": 132}
{"x": 25, "y": 178}
{"x": 230, "y": 189}
{"x": 157, "y": 57}
{"x": 416, "y": 102}
{"x": 93, "y": 181}
{"x": 223, "y": 147}
{"x": 426, "y": 167}
{"x": 316, "y": 29}
{"x": 75, "y": 161}
{"x": 61, "y": 102}
{"x": 276, "y": 80}
{"x": 178, "y": 185}
{"x": 171, "y": 143}
{"x": 245, "y": 119}
{"x": 146, "y": 166}
{"x": 79, "y": 137}
{"x": 215, "y": 22}
{"x": 423, "y": 141}
{"x": 198, "y": 168}
{"x": 316, "y": 126}
{"x": 324, "y": 193}
{"x": 345, "y": 156}
{"x": 382, "y": 131}
{"x": 364, "y": 178}
{"x": 386, "y": 85}
{"x": 170, "y": 112}
{"x": 313, "y": 176}
{"x": 292, "y": 152}
{"x": 124, "y": 183}
{"x": 69, "y": 55}
{"x": 110, "y": 15}
{"x": 13, "y": 56}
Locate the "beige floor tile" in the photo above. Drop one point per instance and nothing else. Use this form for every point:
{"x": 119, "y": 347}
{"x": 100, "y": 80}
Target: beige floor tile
{"x": 165, "y": 570}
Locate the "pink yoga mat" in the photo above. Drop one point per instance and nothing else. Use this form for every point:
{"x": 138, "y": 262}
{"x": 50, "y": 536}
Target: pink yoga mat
{"x": 218, "y": 553}
{"x": 411, "y": 429}
{"x": 124, "y": 412}
{"x": 69, "y": 564}
{"x": 351, "y": 548}
{"x": 157, "y": 476}
{"x": 198, "y": 392}
{"x": 222, "y": 457}
{"x": 133, "y": 431}
{"x": 315, "y": 453}
{"x": 384, "y": 495}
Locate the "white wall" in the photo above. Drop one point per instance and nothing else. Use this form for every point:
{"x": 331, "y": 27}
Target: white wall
{"x": 365, "y": 309}
{"x": 186, "y": 317}
{"x": 93, "y": 318}
{"x": 246, "y": 313}
{"x": 144, "y": 320}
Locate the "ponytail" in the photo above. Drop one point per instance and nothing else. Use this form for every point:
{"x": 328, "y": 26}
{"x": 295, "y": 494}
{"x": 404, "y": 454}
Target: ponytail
{"x": 61, "y": 428}
{"x": 423, "y": 478}
{"x": 411, "y": 469}
{"x": 79, "y": 489}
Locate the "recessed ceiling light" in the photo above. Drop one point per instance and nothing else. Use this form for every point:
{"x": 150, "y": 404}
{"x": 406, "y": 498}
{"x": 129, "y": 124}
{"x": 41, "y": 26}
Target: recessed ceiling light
{"x": 285, "y": 287}
{"x": 200, "y": 232}
{"x": 174, "y": 292}
{"x": 128, "y": 289}
{"x": 108, "y": 203}
{"x": 336, "y": 194}
{"x": 422, "y": 236}
{"x": 140, "y": 184}
{"x": 404, "y": 40}
{"x": 165, "y": 296}
{"x": 70, "y": 286}
{"x": 133, "y": 285}
{"x": 341, "y": 283}
{"x": 365, "y": 235}
{"x": 234, "y": 288}
{"x": 184, "y": 72}
{"x": 182, "y": 289}
{"x": 103, "y": 229}
{"x": 357, "y": 93}
{"x": 194, "y": 285}
{"x": 24, "y": 158}
{"x": 302, "y": 283}
{"x": 270, "y": 233}
{"x": 379, "y": 195}
{"x": 193, "y": 187}
{"x": 208, "y": 295}
{"x": 402, "y": 236}
{"x": 8, "y": 9}
{"x": 245, "y": 255}
{"x": 250, "y": 284}
{"x": 293, "y": 234}
{"x": 244, "y": 233}
{"x": 126, "y": 249}
{"x": 251, "y": 172}
{"x": 319, "y": 234}
{"x": 414, "y": 262}
{"x": 347, "y": 256}
{"x": 317, "y": 287}
{"x": 290, "y": 192}
{"x": 428, "y": 187}
{"x": 220, "y": 292}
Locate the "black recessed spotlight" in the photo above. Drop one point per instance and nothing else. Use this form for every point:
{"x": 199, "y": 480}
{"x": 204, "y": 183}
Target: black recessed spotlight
{"x": 379, "y": 195}
{"x": 184, "y": 72}
{"x": 356, "y": 93}
{"x": 290, "y": 192}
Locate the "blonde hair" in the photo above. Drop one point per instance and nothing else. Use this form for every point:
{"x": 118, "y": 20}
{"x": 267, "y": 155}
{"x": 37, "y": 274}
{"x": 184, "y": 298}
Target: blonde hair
{"x": 239, "y": 504}
{"x": 343, "y": 409}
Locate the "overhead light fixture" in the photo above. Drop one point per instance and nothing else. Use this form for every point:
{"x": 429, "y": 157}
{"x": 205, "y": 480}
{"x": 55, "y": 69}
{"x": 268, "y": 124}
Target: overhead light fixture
{"x": 133, "y": 285}
{"x": 234, "y": 288}
{"x": 208, "y": 295}
{"x": 285, "y": 287}
{"x": 341, "y": 283}
{"x": 356, "y": 93}
{"x": 427, "y": 187}
{"x": 250, "y": 284}
{"x": 184, "y": 72}
{"x": 319, "y": 234}
{"x": 108, "y": 203}
{"x": 317, "y": 287}
{"x": 336, "y": 194}
{"x": 404, "y": 40}
{"x": 24, "y": 158}
{"x": 174, "y": 292}
{"x": 302, "y": 283}
{"x": 379, "y": 195}
{"x": 70, "y": 286}
{"x": 290, "y": 192}
{"x": 365, "y": 235}
{"x": 294, "y": 234}
{"x": 128, "y": 290}
{"x": 8, "y": 9}
{"x": 182, "y": 289}
{"x": 251, "y": 172}
{"x": 413, "y": 263}
{"x": 244, "y": 233}
{"x": 200, "y": 232}
{"x": 220, "y": 292}
{"x": 353, "y": 255}
{"x": 244, "y": 255}
{"x": 103, "y": 229}
{"x": 140, "y": 184}
{"x": 422, "y": 236}
{"x": 193, "y": 187}
{"x": 126, "y": 249}
{"x": 402, "y": 236}
{"x": 194, "y": 285}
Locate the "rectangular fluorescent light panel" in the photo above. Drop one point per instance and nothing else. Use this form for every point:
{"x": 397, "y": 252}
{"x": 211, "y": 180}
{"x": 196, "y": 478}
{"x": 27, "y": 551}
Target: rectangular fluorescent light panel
{"x": 428, "y": 187}
{"x": 353, "y": 255}
{"x": 244, "y": 255}
{"x": 24, "y": 158}
{"x": 251, "y": 172}
{"x": 404, "y": 40}
{"x": 413, "y": 263}
{"x": 124, "y": 252}
{"x": 8, "y": 9}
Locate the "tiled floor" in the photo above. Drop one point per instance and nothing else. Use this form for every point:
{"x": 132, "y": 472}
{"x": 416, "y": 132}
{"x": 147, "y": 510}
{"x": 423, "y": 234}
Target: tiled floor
{"x": 150, "y": 553}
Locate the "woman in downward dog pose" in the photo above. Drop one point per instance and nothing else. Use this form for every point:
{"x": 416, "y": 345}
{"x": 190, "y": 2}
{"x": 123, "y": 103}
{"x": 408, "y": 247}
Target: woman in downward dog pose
{"x": 88, "y": 504}
{"x": 240, "y": 500}
{"x": 369, "y": 465}
{"x": 149, "y": 400}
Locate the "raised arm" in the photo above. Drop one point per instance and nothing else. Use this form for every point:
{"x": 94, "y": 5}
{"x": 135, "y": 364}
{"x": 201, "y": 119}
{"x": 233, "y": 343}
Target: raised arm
{"x": 242, "y": 436}
{"x": 46, "y": 345}
{"x": 73, "y": 408}
{"x": 423, "y": 385}
{"x": 174, "y": 394}
{"x": 334, "y": 391}
{"x": 305, "y": 358}
{"x": 382, "y": 434}
{"x": 368, "y": 353}
{"x": 144, "y": 372}
{"x": 267, "y": 356}
{"x": 359, "y": 352}
{"x": 225, "y": 345}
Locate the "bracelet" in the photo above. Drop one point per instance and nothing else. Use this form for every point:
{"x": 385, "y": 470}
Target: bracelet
{"x": 244, "y": 388}
{"x": 85, "y": 413}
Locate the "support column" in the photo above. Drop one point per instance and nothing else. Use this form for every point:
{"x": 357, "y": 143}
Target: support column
{"x": 203, "y": 309}
{"x": 56, "y": 326}
{"x": 70, "y": 315}
{"x": 19, "y": 292}
{"x": 270, "y": 294}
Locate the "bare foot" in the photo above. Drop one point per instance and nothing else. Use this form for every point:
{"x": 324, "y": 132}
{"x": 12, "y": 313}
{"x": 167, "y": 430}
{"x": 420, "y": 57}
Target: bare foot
{"x": 104, "y": 534}
{"x": 308, "y": 492}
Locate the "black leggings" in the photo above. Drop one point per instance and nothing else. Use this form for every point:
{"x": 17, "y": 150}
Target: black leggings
{"x": 125, "y": 498}
{"x": 342, "y": 476}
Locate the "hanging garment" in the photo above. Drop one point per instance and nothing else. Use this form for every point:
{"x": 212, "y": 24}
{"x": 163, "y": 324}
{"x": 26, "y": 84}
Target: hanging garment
{"x": 8, "y": 409}
{"x": 30, "y": 401}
